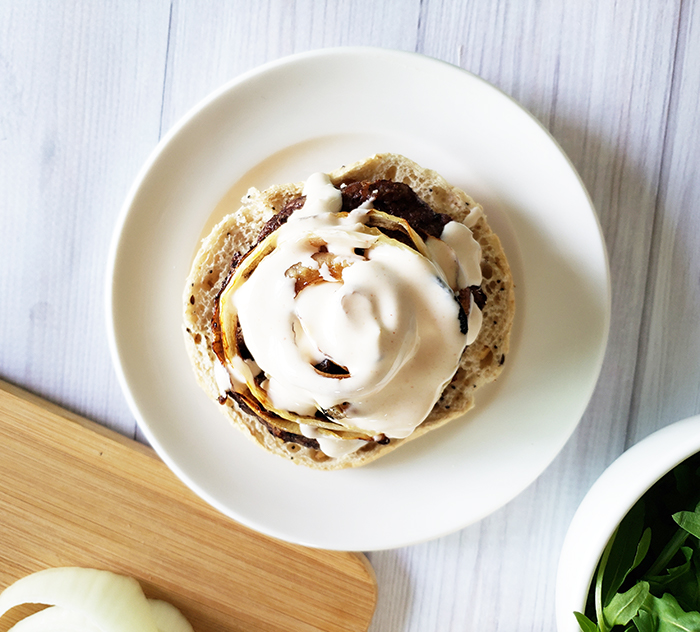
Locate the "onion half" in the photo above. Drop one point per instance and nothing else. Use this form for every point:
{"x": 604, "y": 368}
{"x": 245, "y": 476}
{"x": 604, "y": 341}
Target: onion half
{"x": 89, "y": 600}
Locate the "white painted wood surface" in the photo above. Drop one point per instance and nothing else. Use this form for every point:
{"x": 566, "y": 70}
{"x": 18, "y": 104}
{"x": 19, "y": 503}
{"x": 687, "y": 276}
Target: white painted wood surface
{"x": 87, "y": 89}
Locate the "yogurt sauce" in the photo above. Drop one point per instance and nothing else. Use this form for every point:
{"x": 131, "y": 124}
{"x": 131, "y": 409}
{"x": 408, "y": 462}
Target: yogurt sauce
{"x": 385, "y": 315}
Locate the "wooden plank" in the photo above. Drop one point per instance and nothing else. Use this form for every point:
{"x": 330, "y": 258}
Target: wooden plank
{"x": 75, "y": 494}
{"x": 667, "y": 386}
{"x": 81, "y": 87}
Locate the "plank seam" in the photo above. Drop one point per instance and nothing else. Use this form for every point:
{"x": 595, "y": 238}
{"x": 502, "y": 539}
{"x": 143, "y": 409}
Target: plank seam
{"x": 165, "y": 72}
{"x": 653, "y": 253}
{"x": 420, "y": 26}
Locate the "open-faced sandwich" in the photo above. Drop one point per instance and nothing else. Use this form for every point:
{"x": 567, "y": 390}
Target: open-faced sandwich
{"x": 336, "y": 319}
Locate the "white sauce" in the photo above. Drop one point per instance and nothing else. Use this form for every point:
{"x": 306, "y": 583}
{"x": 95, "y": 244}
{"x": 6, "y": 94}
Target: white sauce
{"x": 474, "y": 321}
{"x": 330, "y": 446}
{"x": 390, "y": 318}
{"x": 467, "y": 252}
{"x": 222, "y": 377}
{"x": 445, "y": 260}
{"x": 475, "y": 214}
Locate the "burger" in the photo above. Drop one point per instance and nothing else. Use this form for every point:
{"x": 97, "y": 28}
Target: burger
{"x": 336, "y": 319}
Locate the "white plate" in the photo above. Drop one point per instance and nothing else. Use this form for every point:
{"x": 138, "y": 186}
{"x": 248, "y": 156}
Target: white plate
{"x": 314, "y": 112}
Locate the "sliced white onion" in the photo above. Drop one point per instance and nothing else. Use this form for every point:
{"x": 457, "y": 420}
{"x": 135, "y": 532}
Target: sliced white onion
{"x": 89, "y": 600}
{"x": 168, "y": 618}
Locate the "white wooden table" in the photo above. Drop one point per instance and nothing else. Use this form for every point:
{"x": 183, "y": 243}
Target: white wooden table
{"x": 88, "y": 88}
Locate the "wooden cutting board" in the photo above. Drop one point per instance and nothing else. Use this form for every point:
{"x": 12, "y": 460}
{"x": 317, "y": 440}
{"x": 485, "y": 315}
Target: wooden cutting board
{"x": 73, "y": 493}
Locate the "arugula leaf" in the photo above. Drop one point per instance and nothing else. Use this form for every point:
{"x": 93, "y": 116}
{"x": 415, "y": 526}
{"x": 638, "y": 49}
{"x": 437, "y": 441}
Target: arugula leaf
{"x": 668, "y": 552}
{"x": 585, "y": 623}
{"x": 693, "y": 585}
{"x": 668, "y": 616}
{"x": 681, "y": 581}
{"x": 624, "y": 606}
{"x": 642, "y": 550}
{"x": 663, "y": 582}
{"x": 602, "y": 565}
{"x": 628, "y": 549}
{"x": 644, "y": 622}
{"x": 689, "y": 521}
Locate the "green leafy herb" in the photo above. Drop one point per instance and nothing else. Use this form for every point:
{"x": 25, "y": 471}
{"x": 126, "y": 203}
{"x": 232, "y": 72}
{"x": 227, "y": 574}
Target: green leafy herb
{"x": 624, "y": 606}
{"x": 689, "y": 521}
{"x": 585, "y": 623}
{"x": 668, "y": 616}
{"x": 648, "y": 577}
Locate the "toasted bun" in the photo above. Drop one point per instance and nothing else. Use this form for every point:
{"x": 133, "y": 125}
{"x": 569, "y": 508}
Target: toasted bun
{"x": 481, "y": 362}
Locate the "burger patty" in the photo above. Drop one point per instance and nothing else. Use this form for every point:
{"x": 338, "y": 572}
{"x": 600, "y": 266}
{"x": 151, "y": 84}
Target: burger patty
{"x": 397, "y": 199}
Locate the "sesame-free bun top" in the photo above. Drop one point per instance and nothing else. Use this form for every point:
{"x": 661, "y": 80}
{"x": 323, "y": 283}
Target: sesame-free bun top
{"x": 480, "y": 363}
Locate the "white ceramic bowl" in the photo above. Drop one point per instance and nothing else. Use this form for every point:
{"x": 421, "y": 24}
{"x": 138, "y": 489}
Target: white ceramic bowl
{"x": 606, "y": 504}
